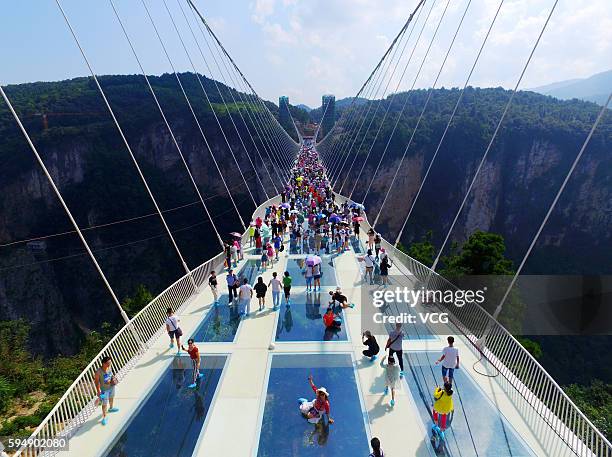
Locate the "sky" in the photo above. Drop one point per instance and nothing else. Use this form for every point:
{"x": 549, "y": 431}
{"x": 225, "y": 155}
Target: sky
{"x": 306, "y": 48}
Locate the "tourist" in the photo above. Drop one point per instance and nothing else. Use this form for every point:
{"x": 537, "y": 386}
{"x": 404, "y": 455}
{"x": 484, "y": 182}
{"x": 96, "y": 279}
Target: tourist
{"x": 105, "y": 382}
{"x": 376, "y": 450}
{"x": 394, "y": 344}
{"x": 330, "y": 320}
{"x": 308, "y": 274}
{"x": 260, "y": 293}
{"x": 264, "y": 259}
{"x": 377, "y": 242}
{"x": 319, "y": 408}
{"x": 316, "y": 275}
{"x": 270, "y": 252}
{"x": 318, "y": 237}
{"x": 251, "y": 234}
{"x": 443, "y": 405}
{"x": 450, "y": 361}
{"x": 339, "y": 297}
{"x": 384, "y": 270}
{"x": 245, "y": 295}
{"x": 173, "y": 329}
{"x": 234, "y": 252}
{"x": 228, "y": 255}
{"x": 371, "y": 235}
{"x": 278, "y": 242}
{"x": 232, "y": 285}
{"x": 194, "y": 356}
{"x": 276, "y": 290}
{"x": 368, "y": 261}
{"x": 392, "y": 376}
{"x": 212, "y": 283}
{"x": 287, "y": 280}
{"x": 373, "y": 348}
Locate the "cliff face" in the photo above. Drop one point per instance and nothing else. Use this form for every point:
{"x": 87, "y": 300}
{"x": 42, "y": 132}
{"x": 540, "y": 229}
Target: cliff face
{"x": 515, "y": 186}
{"x": 54, "y": 285}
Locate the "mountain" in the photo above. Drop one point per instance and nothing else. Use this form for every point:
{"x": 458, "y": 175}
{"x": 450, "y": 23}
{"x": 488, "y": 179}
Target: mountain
{"x": 533, "y": 151}
{"x": 54, "y": 286}
{"x": 304, "y": 107}
{"x": 595, "y": 88}
{"x": 59, "y": 293}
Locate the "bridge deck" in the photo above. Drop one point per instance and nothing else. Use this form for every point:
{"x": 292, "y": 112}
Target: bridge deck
{"x": 494, "y": 425}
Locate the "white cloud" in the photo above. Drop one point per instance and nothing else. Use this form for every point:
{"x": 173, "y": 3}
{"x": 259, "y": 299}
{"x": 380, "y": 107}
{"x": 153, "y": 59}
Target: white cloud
{"x": 262, "y": 10}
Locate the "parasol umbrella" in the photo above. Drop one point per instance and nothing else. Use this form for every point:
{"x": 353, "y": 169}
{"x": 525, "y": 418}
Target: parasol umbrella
{"x": 356, "y": 205}
{"x": 334, "y": 218}
{"x": 313, "y": 260}
{"x": 294, "y": 211}
{"x": 285, "y": 205}
{"x": 358, "y": 219}
{"x": 236, "y": 234}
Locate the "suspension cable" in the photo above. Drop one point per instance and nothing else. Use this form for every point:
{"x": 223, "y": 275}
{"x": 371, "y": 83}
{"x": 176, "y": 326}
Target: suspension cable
{"x": 197, "y": 121}
{"x": 240, "y": 108}
{"x": 246, "y": 152}
{"x": 426, "y": 104}
{"x": 406, "y": 99}
{"x": 212, "y": 108}
{"x": 501, "y": 120}
{"x": 390, "y": 103}
{"x": 376, "y": 102}
{"x": 64, "y": 205}
{"x": 448, "y": 124}
{"x": 127, "y": 145}
{"x": 551, "y": 208}
{"x": 163, "y": 115}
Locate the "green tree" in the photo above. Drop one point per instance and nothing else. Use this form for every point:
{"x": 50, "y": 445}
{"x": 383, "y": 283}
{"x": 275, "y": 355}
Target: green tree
{"x": 423, "y": 250}
{"x": 594, "y": 400}
{"x": 141, "y": 298}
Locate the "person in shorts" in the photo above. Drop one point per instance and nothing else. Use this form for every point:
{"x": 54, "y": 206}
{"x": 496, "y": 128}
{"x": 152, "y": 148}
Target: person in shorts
{"x": 245, "y": 294}
{"x": 173, "y": 329}
{"x": 260, "y": 292}
{"x": 450, "y": 361}
{"x": 105, "y": 382}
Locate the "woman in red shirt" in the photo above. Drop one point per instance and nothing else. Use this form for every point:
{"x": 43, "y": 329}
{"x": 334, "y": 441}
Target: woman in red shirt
{"x": 319, "y": 407}
{"x": 194, "y": 355}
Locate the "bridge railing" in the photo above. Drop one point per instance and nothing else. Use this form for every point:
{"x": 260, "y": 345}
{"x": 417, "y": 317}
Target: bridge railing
{"x": 518, "y": 367}
{"x": 126, "y": 347}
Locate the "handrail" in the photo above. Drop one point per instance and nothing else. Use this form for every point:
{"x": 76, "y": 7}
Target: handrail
{"x": 513, "y": 361}
{"x": 126, "y": 347}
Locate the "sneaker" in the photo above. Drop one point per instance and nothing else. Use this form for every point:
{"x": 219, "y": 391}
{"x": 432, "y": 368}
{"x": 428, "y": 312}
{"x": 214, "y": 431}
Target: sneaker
{"x": 171, "y": 345}
{"x": 200, "y": 376}
{"x": 178, "y": 352}
{"x": 401, "y": 374}
{"x": 104, "y": 421}
{"x": 386, "y": 390}
{"x": 192, "y": 386}
{"x": 352, "y": 305}
{"x": 114, "y": 409}
{"x": 392, "y": 403}
{"x": 374, "y": 357}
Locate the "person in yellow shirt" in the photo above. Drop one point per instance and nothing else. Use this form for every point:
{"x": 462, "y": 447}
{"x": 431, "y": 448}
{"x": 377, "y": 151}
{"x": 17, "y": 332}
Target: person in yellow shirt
{"x": 443, "y": 404}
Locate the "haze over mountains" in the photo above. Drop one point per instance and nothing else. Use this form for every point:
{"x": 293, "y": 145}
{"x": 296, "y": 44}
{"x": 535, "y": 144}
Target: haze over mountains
{"x": 595, "y": 88}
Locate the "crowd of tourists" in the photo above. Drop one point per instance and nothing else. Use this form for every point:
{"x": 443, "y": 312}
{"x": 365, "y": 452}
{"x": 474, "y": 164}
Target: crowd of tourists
{"x": 312, "y": 223}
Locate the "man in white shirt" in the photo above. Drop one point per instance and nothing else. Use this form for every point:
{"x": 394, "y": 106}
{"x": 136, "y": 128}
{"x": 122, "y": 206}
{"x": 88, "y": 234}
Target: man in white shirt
{"x": 276, "y": 289}
{"x": 244, "y": 295}
{"x": 450, "y": 360}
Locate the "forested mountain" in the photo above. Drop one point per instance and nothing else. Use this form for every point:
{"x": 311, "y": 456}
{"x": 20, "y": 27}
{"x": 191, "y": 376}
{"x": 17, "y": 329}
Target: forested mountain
{"x": 525, "y": 167}
{"x": 54, "y": 286}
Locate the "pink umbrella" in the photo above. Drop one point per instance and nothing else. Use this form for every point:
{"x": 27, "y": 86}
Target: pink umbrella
{"x": 358, "y": 219}
{"x": 236, "y": 234}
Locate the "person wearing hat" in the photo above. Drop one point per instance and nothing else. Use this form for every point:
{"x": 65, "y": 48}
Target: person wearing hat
{"x": 314, "y": 411}
{"x": 339, "y": 297}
